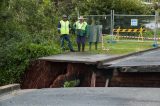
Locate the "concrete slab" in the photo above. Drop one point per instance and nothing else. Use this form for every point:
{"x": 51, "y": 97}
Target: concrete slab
{"x": 79, "y": 57}
{"x": 84, "y": 97}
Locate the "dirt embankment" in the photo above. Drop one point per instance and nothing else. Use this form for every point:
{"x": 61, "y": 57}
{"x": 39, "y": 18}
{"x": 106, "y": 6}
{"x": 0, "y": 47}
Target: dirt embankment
{"x": 44, "y": 74}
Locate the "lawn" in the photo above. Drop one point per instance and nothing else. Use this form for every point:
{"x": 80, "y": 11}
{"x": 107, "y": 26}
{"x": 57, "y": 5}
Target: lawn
{"x": 121, "y": 47}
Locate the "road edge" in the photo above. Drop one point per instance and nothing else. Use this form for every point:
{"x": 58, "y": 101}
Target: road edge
{"x": 9, "y": 88}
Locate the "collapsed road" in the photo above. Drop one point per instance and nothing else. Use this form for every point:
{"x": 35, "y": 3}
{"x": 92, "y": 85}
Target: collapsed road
{"x": 140, "y": 69}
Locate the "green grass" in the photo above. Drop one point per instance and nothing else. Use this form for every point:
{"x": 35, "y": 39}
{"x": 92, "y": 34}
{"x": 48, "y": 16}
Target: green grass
{"x": 121, "y": 47}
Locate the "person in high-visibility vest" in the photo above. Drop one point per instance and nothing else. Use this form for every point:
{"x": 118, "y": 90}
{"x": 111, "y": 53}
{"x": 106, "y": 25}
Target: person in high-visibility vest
{"x": 81, "y": 32}
{"x": 63, "y": 29}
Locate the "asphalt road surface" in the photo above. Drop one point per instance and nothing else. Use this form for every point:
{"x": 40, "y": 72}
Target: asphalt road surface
{"x": 150, "y": 58}
{"x": 78, "y": 57}
{"x": 83, "y": 97}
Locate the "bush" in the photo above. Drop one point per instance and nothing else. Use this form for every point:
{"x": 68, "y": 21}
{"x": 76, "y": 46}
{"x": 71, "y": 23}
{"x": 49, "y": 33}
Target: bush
{"x": 72, "y": 83}
{"x": 26, "y": 33}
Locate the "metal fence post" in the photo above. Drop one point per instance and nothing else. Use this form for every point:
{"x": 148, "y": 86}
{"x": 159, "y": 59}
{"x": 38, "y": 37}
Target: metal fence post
{"x": 155, "y": 30}
{"x": 111, "y": 23}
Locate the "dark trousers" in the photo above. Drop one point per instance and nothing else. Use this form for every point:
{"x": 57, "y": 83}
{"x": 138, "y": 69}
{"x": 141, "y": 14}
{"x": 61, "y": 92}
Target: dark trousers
{"x": 66, "y": 37}
{"x": 81, "y": 41}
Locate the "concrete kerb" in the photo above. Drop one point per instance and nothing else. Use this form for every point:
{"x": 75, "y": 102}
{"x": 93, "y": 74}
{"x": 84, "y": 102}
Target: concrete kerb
{"x": 9, "y": 88}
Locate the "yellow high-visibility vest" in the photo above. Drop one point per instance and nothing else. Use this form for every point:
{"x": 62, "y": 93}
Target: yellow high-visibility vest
{"x": 64, "y": 27}
{"x": 81, "y": 26}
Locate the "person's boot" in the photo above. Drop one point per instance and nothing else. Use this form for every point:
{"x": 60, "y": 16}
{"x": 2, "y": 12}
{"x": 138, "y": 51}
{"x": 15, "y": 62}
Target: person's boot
{"x": 79, "y": 47}
{"x": 83, "y": 47}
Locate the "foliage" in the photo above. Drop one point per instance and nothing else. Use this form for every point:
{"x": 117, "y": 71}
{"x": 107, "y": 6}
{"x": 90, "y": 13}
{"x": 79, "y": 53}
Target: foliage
{"x": 96, "y": 7}
{"x": 72, "y": 83}
{"x": 27, "y": 32}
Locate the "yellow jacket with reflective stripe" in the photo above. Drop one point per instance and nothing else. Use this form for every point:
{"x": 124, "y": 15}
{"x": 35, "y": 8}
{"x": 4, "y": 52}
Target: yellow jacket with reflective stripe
{"x": 81, "y": 26}
{"x": 64, "y": 27}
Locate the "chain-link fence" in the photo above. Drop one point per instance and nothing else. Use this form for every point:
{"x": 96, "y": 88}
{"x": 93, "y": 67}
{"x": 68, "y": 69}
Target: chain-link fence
{"x": 134, "y": 30}
{"x": 135, "y": 22}
{"x": 104, "y": 20}
{"x": 142, "y": 27}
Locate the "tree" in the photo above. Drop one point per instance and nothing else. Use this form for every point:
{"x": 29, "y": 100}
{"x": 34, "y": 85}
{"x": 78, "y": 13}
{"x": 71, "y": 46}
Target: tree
{"x": 120, "y": 6}
{"x": 27, "y": 31}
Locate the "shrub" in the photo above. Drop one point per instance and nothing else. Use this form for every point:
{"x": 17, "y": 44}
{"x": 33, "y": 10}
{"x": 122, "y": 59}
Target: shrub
{"x": 26, "y": 33}
{"x": 72, "y": 83}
